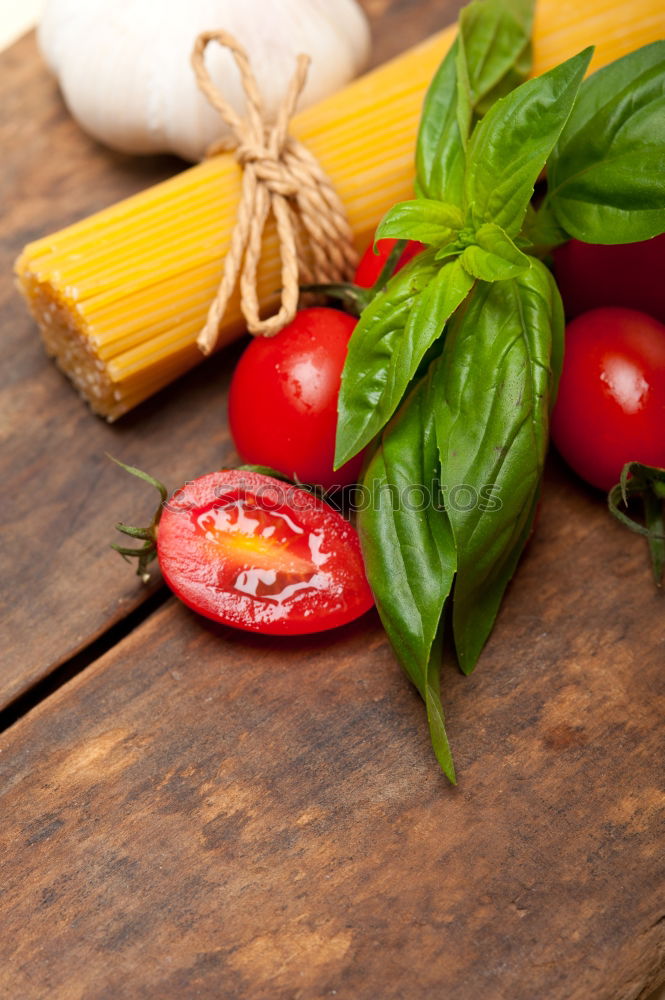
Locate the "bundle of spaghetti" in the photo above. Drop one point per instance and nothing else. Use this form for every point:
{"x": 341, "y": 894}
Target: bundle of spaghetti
{"x": 121, "y": 296}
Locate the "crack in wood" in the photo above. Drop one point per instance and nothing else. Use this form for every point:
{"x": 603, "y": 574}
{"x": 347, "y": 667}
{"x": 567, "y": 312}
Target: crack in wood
{"x": 76, "y": 664}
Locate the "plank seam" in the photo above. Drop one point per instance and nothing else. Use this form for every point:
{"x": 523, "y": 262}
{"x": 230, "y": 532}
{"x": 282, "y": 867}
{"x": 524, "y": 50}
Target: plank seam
{"x": 80, "y": 661}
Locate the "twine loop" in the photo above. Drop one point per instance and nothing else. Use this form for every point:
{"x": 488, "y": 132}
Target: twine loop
{"x": 282, "y": 177}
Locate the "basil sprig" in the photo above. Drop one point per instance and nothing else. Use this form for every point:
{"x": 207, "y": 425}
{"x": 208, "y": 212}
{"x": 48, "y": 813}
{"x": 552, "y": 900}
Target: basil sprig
{"x": 480, "y": 312}
{"x": 506, "y": 152}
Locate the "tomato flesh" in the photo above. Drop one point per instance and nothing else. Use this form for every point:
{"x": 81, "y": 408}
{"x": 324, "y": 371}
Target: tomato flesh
{"x": 250, "y": 551}
{"x": 611, "y": 403}
{"x": 283, "y": 398}
{"x": 371, "y": 264}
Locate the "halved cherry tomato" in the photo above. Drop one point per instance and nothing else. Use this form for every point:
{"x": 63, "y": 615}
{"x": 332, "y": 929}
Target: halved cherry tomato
{"x": 611, "y": 404}
{"x": 262, "y": 555}
{"x": 628, "y": 275}
{"x": 371, "y": 264}
{"x": 283, "y": 398}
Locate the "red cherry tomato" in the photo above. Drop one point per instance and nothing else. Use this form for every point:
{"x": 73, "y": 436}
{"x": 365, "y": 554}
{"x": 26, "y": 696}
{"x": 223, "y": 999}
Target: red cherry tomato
{"x": 627, "y": 275}
{"x": 371, "y": 264}
{"x": 611, "y": 404}
{"x": 250, "y": 551}
{"x": 283, "y": 399}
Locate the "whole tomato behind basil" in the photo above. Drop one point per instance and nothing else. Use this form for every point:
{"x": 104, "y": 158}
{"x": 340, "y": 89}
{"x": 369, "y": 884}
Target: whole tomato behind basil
{"x": 372, "y": 264}
{"x": 283, "y": 398}
{"x": 611, "y": 403}
{"x": 629, "y": 275}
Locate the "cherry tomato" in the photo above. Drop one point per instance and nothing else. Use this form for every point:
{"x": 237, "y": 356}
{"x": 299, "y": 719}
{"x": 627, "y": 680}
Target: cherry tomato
{"x": 283, "y": 399}
{"x": 250, "y": 551}
{"x": 611, "y": 404}
{"x": 371, "y": 264}
{"x": 627, "y": 275}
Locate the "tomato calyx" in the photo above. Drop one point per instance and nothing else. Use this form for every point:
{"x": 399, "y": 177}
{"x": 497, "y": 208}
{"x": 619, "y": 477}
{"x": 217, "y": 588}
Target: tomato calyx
{"x": 144, "y": 554}
{"x": 648, "y": 483}
{"x": 264, "y": 470}
{"x": 327, "y": 495}
{"x": 355, "y": 297}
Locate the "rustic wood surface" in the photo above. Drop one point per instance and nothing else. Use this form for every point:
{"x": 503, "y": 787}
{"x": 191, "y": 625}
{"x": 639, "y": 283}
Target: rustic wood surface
{"x": 62, "y": 496}
{"x": 202, "y": 813}
{"x": 60, "y": 587}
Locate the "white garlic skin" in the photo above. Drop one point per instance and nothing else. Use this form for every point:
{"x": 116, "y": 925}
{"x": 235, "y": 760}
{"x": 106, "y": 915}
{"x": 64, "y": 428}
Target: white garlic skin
{"x": 125, "y": 74}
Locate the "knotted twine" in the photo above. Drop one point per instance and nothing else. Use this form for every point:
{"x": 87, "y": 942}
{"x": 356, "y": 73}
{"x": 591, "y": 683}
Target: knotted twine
{"x": 280, "y": 176}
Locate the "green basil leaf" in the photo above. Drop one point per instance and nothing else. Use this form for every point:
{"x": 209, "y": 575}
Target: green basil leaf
{"x": 408, "y": 549}
{"x": 607, "y": 172}
{"x": 388, "y": 344}
{"x": 452, "y": 249}
{"x": 492, "y": 385}
{"x": 553, "y": 304}
{"x": 431, "y": 222}
{"x": 497, "y": 48}
{"x": 372, "y": 348}
{"x": 491, "y": 55}
{"x": 440, "y": 149}
{"x": 493, "y": 256}
{"x": 510, "y": 145}
{"x": 541, "y": 229}
{"x": 435, "y": 717}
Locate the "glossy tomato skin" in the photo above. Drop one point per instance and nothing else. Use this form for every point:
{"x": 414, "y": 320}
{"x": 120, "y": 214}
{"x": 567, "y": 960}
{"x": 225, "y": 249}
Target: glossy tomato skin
{"x": 371, "y": 264}
{"x": 261, "y": 555}
{"x": 283, "y": 398}
{"x": 611, "y": 403}
{"x": 628, "y": 275}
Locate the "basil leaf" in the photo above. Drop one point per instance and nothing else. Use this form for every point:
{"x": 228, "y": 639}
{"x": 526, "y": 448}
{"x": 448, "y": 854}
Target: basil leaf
{"x": 435, "y": 717}
{"x": 492, "y": 388}
{"x": 388, "y": 344}
{"x": 542, "y": 230}
{"x": 607, "y": 172}
{"x": 493, "y": 256}
{"x": 431, "y": 222}
{"x": 553, "y": 304}
{"x": 510, "y": 145}
{"x": 497, "y": 47}
{"x": 440, "y": 149}
{"x": 490, "y": 56}
{"x": 408, "y": 549}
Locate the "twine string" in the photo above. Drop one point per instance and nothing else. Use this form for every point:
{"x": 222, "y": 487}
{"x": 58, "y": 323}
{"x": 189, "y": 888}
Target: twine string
{"x": 280, "y": 177}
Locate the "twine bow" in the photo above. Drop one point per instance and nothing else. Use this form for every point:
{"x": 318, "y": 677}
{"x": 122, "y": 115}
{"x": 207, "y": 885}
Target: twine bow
{"x": 282, "y": 176}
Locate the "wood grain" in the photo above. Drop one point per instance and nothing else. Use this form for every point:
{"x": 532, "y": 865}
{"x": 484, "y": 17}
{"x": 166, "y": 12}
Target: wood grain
{"x": 204, "y": 813}
{"x": 60, "y": 586}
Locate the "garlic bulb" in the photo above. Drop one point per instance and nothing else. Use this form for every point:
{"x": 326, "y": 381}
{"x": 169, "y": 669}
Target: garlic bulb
{"x": 124, "y": 66}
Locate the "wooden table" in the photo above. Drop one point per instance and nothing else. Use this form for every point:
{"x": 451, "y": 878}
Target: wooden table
{"x": 189, "y": 811}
